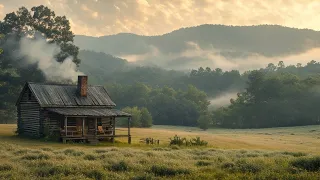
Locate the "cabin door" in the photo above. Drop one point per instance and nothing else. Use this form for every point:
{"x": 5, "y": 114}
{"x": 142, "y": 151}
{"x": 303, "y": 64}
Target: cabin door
{"x": 91, "y": 126}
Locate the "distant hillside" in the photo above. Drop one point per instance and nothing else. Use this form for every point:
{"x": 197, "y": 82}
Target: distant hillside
{"x": 99, "y": 65}
{"x": 266, "y": 40}
{"x": 227, "y": 47}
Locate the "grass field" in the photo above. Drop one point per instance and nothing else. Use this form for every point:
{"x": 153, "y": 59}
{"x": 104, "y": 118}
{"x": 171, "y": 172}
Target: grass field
{"x": 276, "y": 153}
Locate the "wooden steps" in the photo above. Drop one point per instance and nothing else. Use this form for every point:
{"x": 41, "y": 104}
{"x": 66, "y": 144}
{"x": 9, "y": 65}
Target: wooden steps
{"x": 93, "y": 140}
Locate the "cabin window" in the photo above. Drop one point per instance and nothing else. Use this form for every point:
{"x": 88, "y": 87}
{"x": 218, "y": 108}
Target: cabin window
{"x": 29, "y": 95}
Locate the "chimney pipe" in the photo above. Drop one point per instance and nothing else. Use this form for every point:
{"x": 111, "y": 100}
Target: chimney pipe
{"x": 82, "y": 85}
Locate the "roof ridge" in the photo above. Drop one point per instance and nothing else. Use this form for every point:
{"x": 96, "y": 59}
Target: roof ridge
{"x": 57, "y": 84}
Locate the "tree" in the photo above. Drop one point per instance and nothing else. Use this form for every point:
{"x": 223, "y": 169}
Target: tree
{"x": 136, "y": 115}
{"x": 38, "y": 23}
{"x": 146, "y": 118}
{"x": 41, "y": 21}
{"x": 204, "y": 121}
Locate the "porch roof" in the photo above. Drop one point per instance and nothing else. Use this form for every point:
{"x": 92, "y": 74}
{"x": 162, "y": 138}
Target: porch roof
{"x": 89, "y": 111}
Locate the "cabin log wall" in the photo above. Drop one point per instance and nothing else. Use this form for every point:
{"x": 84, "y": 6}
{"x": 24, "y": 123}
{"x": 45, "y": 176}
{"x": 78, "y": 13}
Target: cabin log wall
{"x": 53, "y": 122}
{"x": 29, "y": 115}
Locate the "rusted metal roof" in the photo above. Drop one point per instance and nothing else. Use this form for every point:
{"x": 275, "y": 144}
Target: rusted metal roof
{"x": 57, "y": 95}
{"x": 96, "y": 112}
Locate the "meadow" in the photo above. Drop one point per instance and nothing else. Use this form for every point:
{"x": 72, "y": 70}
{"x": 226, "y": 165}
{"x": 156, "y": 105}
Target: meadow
{"x": 275, "y": 153}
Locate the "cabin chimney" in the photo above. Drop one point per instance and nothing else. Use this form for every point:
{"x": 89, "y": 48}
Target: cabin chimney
{"x": 82, "y": 85}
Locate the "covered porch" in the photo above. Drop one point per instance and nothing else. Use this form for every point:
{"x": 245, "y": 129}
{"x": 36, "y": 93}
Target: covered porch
{"x": 90, "y": 124}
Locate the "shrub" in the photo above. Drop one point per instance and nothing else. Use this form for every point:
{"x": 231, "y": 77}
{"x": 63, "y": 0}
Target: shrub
{"x": 309, "y": 164}
{"x": 143, "y": 177}
{"x": 198, "y": 142}
{"x": 243, "y": 166}
{"x": 161, "y": 170}
{"x": 45, "y": 171}
{"x": 120, "y": 166}
{"x": 96, "y": 174}
{"x": 5, "y": 167}
{"x": 295, "y": 154}
{"x": 175, "y": 147}
{"x": 73, "y": 152}
{"x": 177, "y": 140}
{"x": 89, "y": 157}
{"x": 101, "y": 151}
{"x": 203, "y": 163}
{"x": 36, "y": 156}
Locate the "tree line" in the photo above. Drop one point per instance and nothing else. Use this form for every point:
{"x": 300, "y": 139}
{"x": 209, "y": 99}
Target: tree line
{"x": 166, "y": 105}
{"x": 277, "y": 96}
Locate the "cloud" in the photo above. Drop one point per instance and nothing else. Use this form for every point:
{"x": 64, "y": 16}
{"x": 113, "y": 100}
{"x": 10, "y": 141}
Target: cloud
{"x": 155, "y": 17}
{"x": 194, "y": 56}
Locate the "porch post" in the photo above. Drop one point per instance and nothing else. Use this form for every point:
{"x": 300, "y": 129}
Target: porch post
{"x": 82, "y": 126}
{"x": 113, "y": 128}
{"x": 66, "y": 125}
{"x": 129, "y": 136}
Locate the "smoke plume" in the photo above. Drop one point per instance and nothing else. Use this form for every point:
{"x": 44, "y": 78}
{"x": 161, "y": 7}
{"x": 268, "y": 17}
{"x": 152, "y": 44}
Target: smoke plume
{"x": 38, "y": 51}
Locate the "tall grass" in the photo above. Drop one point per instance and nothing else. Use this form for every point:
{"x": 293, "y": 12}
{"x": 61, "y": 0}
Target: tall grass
{"x": 153, "y": 163}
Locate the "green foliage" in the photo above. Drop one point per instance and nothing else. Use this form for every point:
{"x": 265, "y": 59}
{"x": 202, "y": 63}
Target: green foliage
{"x": 146, "y": 118}
{"x": 162, "y": 170}
{"x": 309, "y": 164}
{"x": 6, "y": 167}
{"x": 119, "y": 166}
{"x": 136, "y": 115}
{"x": 198, "y": 142}
{"x": 177, "y": 140}
{"x": 203, "y": 163}
{"x": 90, "y": 157}
{"x": 166, "y": 105}
{"x": 36, "y": 157}
{"x": 38, "y": 22}
{"x": 272, "y": 99}
{"x": 204, "y": 121}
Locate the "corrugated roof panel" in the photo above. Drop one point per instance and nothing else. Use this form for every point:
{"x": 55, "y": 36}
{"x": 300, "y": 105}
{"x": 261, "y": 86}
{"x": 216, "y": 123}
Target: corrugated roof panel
{"x": 66, "y": 96}
{"x": 97, "y": 112}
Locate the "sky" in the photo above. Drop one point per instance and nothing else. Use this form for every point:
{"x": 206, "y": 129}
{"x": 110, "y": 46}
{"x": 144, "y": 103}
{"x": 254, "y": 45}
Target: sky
{"x": 156, "y": 17}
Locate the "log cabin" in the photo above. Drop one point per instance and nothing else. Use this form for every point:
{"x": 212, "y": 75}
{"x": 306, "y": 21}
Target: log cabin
{"x": 69, "y": 112}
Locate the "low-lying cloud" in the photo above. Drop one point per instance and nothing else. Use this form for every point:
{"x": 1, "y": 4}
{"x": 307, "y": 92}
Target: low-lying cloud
{"x": 194, "y": 57}
{"x": 222, "y": 99}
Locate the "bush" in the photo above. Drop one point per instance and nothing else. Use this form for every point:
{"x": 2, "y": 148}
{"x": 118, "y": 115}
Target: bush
{"x": 161, "y": 170}
{"x": 146, "y": 118}
{"x": 198, "y": 142}
{"x": 295, "y": 154}
{"x": 120, "y": 166}
{"x": 96, "y": 174}
{"x": 177, "y": 140}
{"x": 203, "y": 163}
{"x": 101, "y": 151}
{"x": 5, "y": 167}
{"x": 141, "y": 117}
{"x": 89, "y": 157}
{"x": 36, "y": 157}
{"x": 73, "y": 152}
{"x": 204, "y": 121}
{"x": 243, "y": 166}
{"x": 309, "y": 164}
